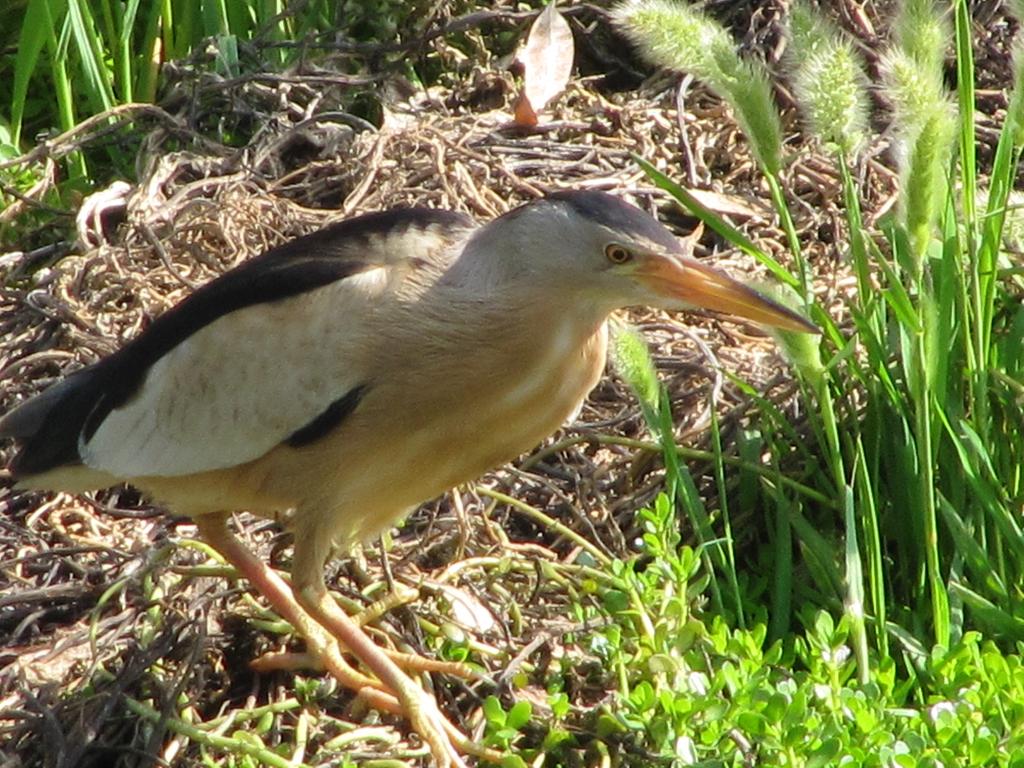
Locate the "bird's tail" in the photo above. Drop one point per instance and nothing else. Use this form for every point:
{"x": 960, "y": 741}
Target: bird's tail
{"x": 48, "y": 426}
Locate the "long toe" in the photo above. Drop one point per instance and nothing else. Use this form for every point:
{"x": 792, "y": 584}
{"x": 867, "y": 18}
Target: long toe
{"x": 413, "y": 662}
{"x": 426, "y": 719}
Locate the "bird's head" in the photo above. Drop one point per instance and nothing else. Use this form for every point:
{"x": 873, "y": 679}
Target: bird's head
{"x": 593, "y": 244}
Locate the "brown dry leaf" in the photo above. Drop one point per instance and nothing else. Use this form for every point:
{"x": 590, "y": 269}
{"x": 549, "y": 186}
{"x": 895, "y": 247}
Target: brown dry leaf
{"x": 467, "y": 610}
{"x": 51, "y": 663}
{"x": 547, "y": 64}
{"x": 728, "y": 205}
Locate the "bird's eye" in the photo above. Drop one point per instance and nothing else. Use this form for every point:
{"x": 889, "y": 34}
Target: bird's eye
{"x": 617, "y": 254}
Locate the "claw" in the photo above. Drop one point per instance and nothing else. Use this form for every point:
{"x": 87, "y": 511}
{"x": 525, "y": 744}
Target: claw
{"x": 427, "y": 720}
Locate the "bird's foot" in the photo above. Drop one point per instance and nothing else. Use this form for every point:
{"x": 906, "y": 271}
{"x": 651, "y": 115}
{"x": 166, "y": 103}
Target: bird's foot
{"x": 413, "y": 662}
{"x": 327, "y": 629}
{"x": 396, "y": 692}
{"x": 404, "y": 698}
{"x": 447, "y": 743}
{"x": 423, "y": 714}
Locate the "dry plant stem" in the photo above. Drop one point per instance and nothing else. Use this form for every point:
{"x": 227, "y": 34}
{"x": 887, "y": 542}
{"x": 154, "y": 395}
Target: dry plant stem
{"x": 411, "y": 702}
{"x": 553, "y": 524}
{"x": 102, "y": 123}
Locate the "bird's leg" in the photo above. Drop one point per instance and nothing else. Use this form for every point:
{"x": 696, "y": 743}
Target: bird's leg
{"x": 413, "y": 662}
{"x": 420, "y": 708}
{"x": 213, "y": 529}
{"x": 322, "y": 641}
{"x": 410, "y": 662}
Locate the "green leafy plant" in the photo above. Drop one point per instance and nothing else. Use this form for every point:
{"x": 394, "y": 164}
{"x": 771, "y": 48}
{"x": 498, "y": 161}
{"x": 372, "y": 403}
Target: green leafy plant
{"x": 921, "y": 442}
{"x": 504, "y": 726}
{"x": 913, "y": 432}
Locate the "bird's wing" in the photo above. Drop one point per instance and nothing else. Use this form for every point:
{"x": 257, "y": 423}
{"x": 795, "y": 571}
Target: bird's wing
{"x": 272, "y": 352}
{"x": 241, "y": 385}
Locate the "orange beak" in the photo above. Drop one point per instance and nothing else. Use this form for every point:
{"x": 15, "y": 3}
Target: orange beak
{"x": 688, "y": 281}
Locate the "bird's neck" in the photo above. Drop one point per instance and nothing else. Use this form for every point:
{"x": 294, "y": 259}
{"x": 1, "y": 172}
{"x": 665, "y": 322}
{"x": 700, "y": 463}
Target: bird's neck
{"x": 495, "y": 260}
{"x": 482, "y": 268}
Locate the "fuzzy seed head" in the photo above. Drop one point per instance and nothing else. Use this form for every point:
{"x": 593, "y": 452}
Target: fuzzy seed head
{"x": 632, "y": 361}
{"x": 924, "y": 118}
{"x": 673, "y": 35}
{"x": 748, "y": 89}
{"x": 913, "y": 92}
{"x": 830, "y": 85}
{"x": 678, "y": 37}
{"x": 924, "y": 165}
{"x": 806, "y": 31}
{"x": 923, "y": 33}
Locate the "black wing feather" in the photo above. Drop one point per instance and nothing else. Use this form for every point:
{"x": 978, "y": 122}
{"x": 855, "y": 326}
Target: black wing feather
{"x": 51, "y": 425}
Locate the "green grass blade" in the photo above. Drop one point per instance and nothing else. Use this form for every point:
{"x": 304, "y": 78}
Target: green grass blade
{"x": 965, "y": 93}
{"x": 819, "y": 554}
{"x": 729, "y": 553}
{"x": 146, "y": 80}
{"x": 895, "y": 294}
{"x": 178, "y": 27}
{"x": 1004, "y": 169}
{"x": 980, "y": 565}
{"x": 215, "y": 18}
{"x": 984, "y": 484}
{"x": 716, "y": 222}
{"x": 988, "y": 614}
{"x": 855, "y": 587}
{"x": 789, "y": 228}
{"x": 62, "y": 89}
{"x": 865, "y": 495}
{"x": 36, "y": 28}
{"x": 944, "y": 349}
{"x": 855, "y": 224}
{"x": 782, "y": 572}
{"x": 96, "y": 78}
{"x": 124, "y": 58}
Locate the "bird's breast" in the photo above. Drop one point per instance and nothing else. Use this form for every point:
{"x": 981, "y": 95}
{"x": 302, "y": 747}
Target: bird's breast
{"x": 414, "y": 437}
{"x": 507, "y": 398}
{"x": 530, "y": 399}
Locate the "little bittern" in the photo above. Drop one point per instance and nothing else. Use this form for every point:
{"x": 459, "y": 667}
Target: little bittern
{"x": 354, "y": 373}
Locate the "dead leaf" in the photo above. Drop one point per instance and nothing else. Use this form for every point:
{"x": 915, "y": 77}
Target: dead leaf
{"x": 524, "y": 114}
{"x": 547, "y": 64}
{"x": 50, "y": 663}
{"x": 726, "y": 205}
{"x": 467, "y": 610}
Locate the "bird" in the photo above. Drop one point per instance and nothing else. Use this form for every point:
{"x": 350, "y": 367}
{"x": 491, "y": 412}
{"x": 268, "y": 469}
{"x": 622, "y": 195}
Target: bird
{"x": 346, "y": 376}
